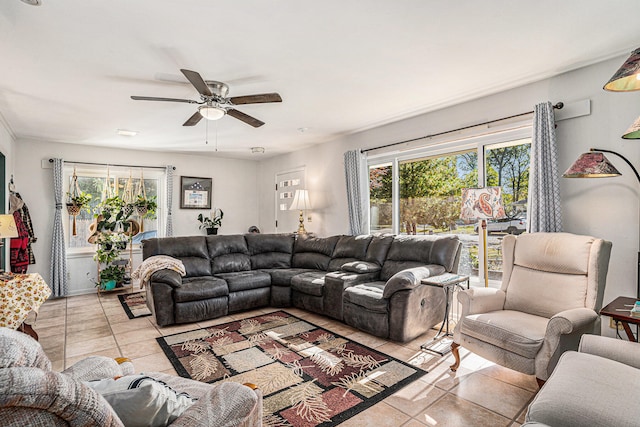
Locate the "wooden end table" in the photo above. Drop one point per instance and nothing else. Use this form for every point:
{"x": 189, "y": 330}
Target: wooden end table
{"x": 620, "y": 311}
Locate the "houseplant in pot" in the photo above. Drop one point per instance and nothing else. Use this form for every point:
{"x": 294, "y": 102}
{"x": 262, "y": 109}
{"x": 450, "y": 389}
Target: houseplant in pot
{"x": 212, "y": 223}
{"x": 110, "y": 277}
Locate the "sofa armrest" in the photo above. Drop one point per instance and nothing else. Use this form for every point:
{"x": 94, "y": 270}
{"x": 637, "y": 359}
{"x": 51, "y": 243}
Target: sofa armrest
{"x": 360, "y": 267}
{"x": 225, "y": 404}
{"x": 405, "y": 280}
{"x": 626, "y": 352}
{"x": 170, "y": 277}
{"x": 481, "y": 300}
{"x": 98, "y": 368}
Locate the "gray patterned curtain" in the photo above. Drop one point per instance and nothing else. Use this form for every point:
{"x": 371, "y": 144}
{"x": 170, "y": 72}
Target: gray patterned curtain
{"x": 169, "y": 229}
{"x": 544, "y": 212}
{"x": 352, "y": 170}
{"x": 58, "y": 272}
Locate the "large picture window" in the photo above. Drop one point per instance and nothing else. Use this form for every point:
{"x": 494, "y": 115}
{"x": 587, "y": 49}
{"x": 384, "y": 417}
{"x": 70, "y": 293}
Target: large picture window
{"x": 420, "y": 192}
{"x": 94, "y": 180}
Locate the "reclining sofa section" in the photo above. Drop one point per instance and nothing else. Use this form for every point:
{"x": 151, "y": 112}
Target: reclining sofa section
{"x": 370, "y": 282}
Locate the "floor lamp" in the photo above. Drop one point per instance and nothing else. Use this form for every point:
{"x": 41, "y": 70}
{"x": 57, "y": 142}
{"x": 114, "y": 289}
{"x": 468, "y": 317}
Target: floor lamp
{"x": 481, "y": 204}
{"x": 594, "y": 164}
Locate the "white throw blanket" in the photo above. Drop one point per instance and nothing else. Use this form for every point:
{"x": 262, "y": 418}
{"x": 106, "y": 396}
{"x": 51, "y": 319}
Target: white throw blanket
{"x": 156, "y": 263}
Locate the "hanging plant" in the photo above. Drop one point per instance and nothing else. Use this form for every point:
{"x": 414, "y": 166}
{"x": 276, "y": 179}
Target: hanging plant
{"x": 146, "y": 208}
{"x": 76, "y": 200}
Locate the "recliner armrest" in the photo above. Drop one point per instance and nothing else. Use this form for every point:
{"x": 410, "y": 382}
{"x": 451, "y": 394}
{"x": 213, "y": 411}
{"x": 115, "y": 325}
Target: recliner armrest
{"x": 567, "y": 321}
{"x": 626, "y": 352}
{"x": 170, "y": 277}
{"x": 405, "y": 280}
{"x": 481, "y": 300}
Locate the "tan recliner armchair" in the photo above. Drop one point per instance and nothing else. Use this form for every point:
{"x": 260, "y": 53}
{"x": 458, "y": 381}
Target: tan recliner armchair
{"x": 552, "y": 289}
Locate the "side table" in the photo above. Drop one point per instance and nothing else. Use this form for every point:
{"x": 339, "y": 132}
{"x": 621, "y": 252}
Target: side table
{"x": 620, "y": 311}
{"x": 449, "y": 282}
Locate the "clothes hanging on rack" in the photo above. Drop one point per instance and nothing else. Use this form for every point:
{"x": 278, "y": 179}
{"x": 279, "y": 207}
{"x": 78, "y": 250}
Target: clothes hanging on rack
{"x": 21, "y": 253}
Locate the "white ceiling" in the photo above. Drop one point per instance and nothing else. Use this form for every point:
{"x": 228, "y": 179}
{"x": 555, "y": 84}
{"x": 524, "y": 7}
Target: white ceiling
{"x": 68, "y": 67}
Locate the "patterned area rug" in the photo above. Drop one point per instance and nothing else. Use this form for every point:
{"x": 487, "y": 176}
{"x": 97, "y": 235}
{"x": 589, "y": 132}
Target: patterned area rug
{"x": 135, "y": 305}
{"x": 308, "y": 375}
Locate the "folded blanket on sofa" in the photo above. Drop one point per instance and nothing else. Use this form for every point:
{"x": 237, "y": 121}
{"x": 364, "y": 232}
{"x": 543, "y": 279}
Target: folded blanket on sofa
{"x": 156, "y": 263}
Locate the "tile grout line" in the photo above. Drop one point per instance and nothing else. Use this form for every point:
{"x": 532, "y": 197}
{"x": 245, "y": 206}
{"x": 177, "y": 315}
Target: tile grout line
{"x": 109, "y": 323}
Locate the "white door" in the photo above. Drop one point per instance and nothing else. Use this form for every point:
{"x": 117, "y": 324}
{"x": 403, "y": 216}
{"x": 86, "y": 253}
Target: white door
{"x": 286, "y": 185}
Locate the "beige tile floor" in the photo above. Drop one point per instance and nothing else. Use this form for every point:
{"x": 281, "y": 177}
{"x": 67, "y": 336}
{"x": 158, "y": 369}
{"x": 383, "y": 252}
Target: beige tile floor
{"x": 480, "y": 393}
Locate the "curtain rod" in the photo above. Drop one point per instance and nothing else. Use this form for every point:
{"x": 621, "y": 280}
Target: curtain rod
{"x": 113, "y": 164}
{"x": 558, "y": 106}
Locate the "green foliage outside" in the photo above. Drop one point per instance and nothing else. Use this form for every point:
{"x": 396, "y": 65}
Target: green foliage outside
{"x": 430, "y": 189}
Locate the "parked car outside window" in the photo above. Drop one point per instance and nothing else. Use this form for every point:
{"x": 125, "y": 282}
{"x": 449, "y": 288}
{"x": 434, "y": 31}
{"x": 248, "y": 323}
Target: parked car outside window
{"x": 505, "y": 225}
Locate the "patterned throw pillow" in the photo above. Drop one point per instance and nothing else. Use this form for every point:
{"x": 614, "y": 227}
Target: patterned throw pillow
{"x": 141, "y": 401}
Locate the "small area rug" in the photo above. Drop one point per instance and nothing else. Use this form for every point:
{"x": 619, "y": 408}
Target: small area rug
{"x": 135, "y": 305}
{"x": 308, "y": 375}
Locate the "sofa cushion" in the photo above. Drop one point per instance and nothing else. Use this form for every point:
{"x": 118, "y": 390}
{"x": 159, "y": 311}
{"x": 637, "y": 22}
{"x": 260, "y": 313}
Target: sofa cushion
{"x": 283, "y": 276}
{"x": 243, "y": 280}
{"x": 140, "y": 400}
{"x": 311, "y": 282}
{"x": 367, "y": 295}
{"x": 200, "y": 288}
{"x": 349, "y": 249}
{"x": 270, "y": 250}
{"x": 228, "y": 253}
{"x": 414, "y": 251}
{"x": 191, "y": 250}
{"x": 517, "y": 332}
{"x": 313, "y": 252}
{"x": 378, "y": 249}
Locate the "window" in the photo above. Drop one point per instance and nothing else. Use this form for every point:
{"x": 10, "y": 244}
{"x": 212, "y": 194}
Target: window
{"x": 425, "y": 196}
{"x": 93, "y": 180}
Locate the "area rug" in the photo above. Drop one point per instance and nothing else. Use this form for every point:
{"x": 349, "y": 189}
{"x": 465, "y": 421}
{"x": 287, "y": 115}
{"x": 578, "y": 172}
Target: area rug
{"x": 135, "y": 305}
{"x": 308, "y": 375}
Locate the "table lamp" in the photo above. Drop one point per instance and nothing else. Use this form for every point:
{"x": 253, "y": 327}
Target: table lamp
{"x": 301, "y": 203}
{"x": 8, "y": 229}
{"x": 481, "y": 204}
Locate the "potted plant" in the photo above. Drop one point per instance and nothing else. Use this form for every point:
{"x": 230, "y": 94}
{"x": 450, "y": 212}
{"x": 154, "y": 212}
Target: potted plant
{"x": 146, "y": 207}
{"x": 110, "y": 277}
{"x": 211, "y": 223}
{"x": 76, "y": 201}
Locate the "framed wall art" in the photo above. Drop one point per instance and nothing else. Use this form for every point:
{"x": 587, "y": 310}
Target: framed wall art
{"x": 195, "y": 193}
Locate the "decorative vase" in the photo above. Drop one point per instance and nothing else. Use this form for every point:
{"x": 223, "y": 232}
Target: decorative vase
{"x": 211, "y": 231}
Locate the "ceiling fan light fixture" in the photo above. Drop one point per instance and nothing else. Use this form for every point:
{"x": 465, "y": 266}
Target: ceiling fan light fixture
{"x": 211, "y": 112}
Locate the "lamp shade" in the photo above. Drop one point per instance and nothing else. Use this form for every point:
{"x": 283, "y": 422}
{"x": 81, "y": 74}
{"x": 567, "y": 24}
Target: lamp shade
{"x": 300, "y": 201}
{"x": 634, "y": 130}
{"x": 591, "y": 165}
{"x": 626, "y": 79}
{"x": 8, "y": 227}
{"x": 481, "y": 203}
{"x": 211, "y": 112}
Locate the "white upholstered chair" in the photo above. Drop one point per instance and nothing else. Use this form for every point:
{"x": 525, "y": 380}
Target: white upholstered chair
{"x": 552, "y": 289}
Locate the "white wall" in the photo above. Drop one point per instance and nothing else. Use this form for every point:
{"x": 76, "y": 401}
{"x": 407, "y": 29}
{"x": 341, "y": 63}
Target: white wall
{"x": 234, "y": 191}
{"x": 7, "y": 147}
{"x": 607, "y": 208}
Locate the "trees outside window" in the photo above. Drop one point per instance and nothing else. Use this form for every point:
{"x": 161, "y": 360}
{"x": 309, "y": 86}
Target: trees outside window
{"x": 429, "y": 195}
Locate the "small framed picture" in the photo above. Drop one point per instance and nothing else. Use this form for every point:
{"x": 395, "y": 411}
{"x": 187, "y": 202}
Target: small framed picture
{"x": 195, "y": 192}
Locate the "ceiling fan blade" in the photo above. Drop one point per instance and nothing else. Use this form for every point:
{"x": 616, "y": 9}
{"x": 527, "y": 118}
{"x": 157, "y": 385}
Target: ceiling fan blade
{"x": 193, "y": 120}
{"x": 256, "y": 99}
{"x": 245, "y": 118}
{"x": 197, "y": 81}
{"x": 151, "y": 98}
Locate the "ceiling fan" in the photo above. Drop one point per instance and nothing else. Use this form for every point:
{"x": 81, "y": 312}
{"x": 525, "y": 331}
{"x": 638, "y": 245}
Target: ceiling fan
{"x": 214, "y": 103}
